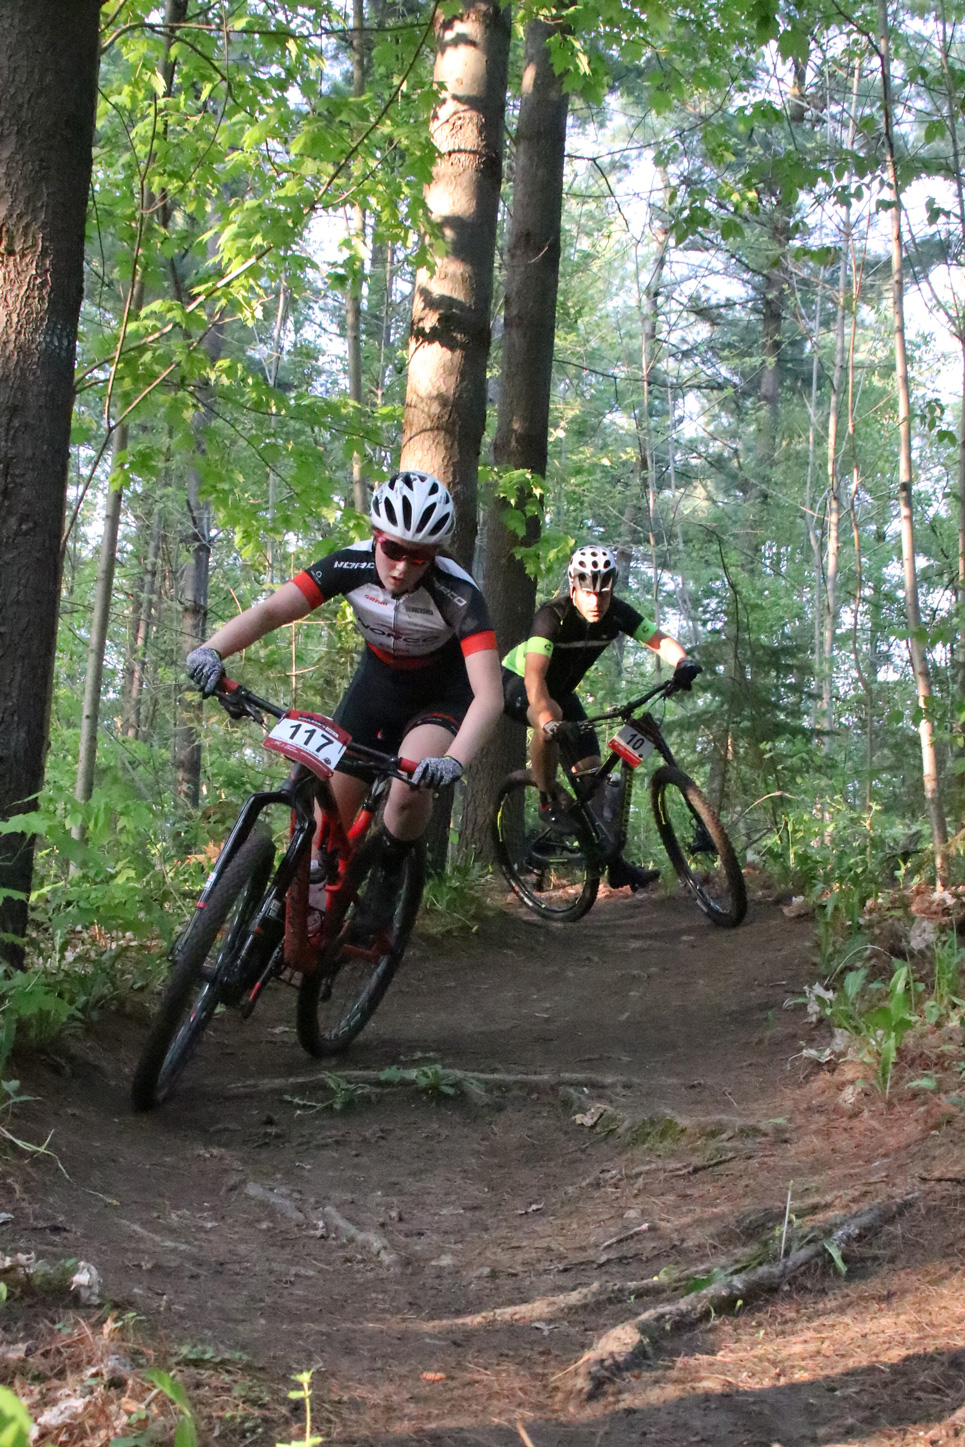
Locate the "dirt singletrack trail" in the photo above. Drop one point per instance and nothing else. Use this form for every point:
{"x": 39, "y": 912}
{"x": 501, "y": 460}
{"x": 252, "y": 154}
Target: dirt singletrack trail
{"x": 363, "y": 1242}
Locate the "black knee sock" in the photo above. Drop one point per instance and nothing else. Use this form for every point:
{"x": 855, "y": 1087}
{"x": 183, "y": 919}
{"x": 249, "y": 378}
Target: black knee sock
{"x": 394, "y": 852}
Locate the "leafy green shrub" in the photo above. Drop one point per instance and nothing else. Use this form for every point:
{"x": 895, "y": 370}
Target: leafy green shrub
{"x": 32, "y": 1009}
{"x": 878, "y": 1015}
{"x": 830, "y": 844}
{"x": 16, "y": 1423}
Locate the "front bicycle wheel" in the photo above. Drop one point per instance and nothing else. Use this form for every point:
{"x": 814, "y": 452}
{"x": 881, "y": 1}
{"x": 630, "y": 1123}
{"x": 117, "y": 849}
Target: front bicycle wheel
{"x": 552, "y": 868}
{"x": 698, "y": 846}
{"x": 200, "y": 963}
{"x": 338, "y": 1000}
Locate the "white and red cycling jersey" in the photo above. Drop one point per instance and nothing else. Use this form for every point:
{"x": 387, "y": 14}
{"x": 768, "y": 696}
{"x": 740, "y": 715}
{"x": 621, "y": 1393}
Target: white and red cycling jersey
{"x": 409, "y": 630}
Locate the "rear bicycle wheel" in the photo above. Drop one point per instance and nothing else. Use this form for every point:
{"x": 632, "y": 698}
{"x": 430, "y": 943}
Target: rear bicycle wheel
{"x": 338, "y": 1000}
{"x": 698, "y": 846}
{"x": 200, "y": 964}
{"x": 552, "y": 868}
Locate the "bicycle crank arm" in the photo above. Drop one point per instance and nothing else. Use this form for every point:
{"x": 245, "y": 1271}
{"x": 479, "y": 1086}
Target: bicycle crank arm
{"x": 251, "y": 999}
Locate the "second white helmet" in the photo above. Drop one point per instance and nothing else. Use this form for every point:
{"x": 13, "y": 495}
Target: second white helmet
{"x": 415, "y": 507}
{"x": 592, "y": 567}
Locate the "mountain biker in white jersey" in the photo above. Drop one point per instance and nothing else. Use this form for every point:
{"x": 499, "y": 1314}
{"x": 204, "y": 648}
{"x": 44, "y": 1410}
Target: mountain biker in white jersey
{"x": 540, "y": 675}
{"x": 427, "y": 685}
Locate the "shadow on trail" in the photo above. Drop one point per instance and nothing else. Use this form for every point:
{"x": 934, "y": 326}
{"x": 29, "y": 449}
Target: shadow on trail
{"x": 842, "y": 1407}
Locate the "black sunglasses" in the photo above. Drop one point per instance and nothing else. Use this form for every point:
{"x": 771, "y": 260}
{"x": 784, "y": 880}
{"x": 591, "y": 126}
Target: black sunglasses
{"x": 396, "y": 553}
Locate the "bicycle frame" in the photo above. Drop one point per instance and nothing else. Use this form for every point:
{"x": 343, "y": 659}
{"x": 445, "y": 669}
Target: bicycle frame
{"x": 586, "y": 785}
{"x": 281, "y": 921}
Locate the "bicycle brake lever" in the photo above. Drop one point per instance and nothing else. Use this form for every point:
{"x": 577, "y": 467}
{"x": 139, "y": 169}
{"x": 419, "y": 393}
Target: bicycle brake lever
{"x": 236, "y": 704}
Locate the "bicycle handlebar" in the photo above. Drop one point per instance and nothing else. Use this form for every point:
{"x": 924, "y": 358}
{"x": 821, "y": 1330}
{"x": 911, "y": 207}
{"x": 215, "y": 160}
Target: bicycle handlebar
{"x": 623, "y": 710}
{"x": 239, "y": 702}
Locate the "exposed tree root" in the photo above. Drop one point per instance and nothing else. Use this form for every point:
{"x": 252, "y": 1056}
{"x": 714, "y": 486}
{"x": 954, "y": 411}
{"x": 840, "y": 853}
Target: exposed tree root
{"x": 376, "y": 1077}
{"x": 628, "y": 1345}
{"x": 598, "y": 1293}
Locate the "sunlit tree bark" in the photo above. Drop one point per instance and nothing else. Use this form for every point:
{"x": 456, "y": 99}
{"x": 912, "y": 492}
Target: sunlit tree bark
{"x": 445, "y": 403}
{"x": 522, "y": 421}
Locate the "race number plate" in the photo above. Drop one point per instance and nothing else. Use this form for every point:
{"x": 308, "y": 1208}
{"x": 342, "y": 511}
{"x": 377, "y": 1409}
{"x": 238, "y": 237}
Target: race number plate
{"x": 310, "y": 739}
{"x": 632, "y": 746}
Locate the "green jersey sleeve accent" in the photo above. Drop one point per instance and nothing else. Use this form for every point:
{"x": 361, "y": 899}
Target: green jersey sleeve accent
{"x": 643, "y": 631}
{"x": 515, "y": 660}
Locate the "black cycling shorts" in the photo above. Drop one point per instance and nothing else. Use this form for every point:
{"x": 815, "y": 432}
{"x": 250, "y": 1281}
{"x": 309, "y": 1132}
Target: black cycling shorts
{"x": 515, "y": 704}
{"x": 382, "y": 704}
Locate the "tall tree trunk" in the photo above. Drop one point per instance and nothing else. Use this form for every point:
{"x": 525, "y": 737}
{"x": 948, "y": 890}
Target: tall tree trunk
{"x": 353, "y": 298}
{"x": 809, "y": 512}
{"x": 958, "y": 326}
{"x": 445, "y": 399}
{"x": 272, "y": 374}
{"x": 834, "y": 484}
{"x": 193, "y": 597}
{"x": 383, "y": 267}
{"x": 48, "y": 79}
{"x": 100, "y": 620}
{"x": 103, "y": 593}
{"x": 919, "y": 657}
{"x": 141, "y": 633}
{"x": 769, "y": 386}
{"x": 834, "y": 506}
{"x": 644, "y": 497}
{"x": 772, "y": 318}
{"x": 522, "y": 418}
{"x": 445, "y": 403}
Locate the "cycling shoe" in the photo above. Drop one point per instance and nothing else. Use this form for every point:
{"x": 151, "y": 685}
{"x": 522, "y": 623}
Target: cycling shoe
{"x": 620, "y": 873}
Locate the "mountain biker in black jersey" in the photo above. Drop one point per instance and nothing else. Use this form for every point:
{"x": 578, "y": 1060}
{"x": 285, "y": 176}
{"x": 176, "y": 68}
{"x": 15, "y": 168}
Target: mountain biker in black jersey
{"x": 427, "y": 685}
{"x": 541, "y": 674}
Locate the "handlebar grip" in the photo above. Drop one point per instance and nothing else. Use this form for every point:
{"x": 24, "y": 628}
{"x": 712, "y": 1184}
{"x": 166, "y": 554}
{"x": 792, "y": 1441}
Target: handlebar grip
{"x": 227, "y": 685}
{"x": 408, "y": 766}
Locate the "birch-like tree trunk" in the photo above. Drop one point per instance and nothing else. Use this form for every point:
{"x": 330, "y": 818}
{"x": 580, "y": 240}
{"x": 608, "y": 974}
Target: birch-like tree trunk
{"x": 48, "y": 82}
{"x": 916, "y": 646}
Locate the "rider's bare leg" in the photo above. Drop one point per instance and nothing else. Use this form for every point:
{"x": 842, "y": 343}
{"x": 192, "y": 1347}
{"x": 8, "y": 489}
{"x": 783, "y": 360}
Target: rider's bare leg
{"x": 407, "y": 811}
{"x": 349, "y": 793}
{"x": 544, "y": 755}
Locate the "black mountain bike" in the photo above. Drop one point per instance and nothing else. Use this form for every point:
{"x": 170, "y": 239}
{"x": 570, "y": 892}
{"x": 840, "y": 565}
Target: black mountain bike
{"x": 254, "y": 923}
{"x": 555, "y": 865}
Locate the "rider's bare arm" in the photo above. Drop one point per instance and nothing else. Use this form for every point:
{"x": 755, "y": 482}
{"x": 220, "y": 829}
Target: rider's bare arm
{"x": 542, "y": 706}
{"x": 668, "y": 648}
{"x": 283, "y": 606}
{"x": 486, "y": 707}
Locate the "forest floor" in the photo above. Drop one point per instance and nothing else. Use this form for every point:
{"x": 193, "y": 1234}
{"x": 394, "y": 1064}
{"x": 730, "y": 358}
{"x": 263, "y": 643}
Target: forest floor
{"x": 368, "y": 1243}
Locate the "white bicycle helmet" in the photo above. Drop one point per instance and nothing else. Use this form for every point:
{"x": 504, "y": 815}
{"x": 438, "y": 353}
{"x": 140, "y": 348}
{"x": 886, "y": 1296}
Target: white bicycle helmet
{"x": 593, "y": 568}
{"x": 414, "y": 507}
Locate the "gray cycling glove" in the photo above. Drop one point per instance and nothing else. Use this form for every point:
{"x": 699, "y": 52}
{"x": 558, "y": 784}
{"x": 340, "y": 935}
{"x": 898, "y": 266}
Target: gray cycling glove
{"x": 205, "y": 669}
{"x": 436, "y": 773}
{"x": 551, "y": 729}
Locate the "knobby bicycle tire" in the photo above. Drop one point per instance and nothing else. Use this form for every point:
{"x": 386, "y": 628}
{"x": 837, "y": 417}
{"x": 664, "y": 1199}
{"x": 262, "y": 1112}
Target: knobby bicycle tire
{"x": 713, "y": 875}
{"x": 191, "y": 996}
{"x": 338, "y": 1000}
{"x": 553, "y": 870}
